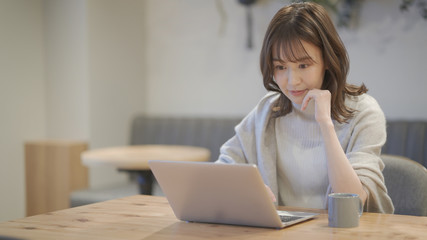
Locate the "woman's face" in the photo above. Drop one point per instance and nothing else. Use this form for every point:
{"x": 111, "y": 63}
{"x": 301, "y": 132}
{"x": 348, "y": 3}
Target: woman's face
{"x": 296, "y": 78}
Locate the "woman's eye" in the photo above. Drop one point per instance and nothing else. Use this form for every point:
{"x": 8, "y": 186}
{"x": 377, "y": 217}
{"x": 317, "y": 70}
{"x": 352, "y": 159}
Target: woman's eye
{"x": 279, "y": 67}
{"x": 303, "y": 66}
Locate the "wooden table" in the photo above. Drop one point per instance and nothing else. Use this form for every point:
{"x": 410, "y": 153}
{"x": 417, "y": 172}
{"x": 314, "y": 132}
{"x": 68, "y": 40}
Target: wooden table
{"x": 149, "y": 217}
{"x": 134, "y": 159}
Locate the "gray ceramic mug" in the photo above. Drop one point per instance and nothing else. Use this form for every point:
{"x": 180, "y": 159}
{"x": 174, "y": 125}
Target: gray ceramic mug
{"x": 344, "y": 210}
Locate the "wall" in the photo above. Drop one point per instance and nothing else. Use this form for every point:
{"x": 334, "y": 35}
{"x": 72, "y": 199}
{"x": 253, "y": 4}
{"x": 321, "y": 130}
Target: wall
{"x": 117, "y": 76}
{"x": 22, "y": 97}
{"x": 95, "y": 73}
{"x": 188, "y": 51}
{"x": 198, "y": 60}
{"x": 67, "y": 82}
{"x": 388, "y": 53}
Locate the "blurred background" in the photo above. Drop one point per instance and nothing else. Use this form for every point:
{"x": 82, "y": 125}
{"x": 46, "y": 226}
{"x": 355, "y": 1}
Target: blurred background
{"x": 82, "y": 69}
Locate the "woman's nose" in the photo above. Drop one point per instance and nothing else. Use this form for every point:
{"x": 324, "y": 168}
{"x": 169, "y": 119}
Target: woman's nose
{"x": 293, "y": 77}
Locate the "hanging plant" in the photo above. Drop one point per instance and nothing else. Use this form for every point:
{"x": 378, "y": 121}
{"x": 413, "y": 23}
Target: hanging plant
{"x": 248, "y": 4}
{"x": 346, "y": 11}
{"x": 420, "y": 4}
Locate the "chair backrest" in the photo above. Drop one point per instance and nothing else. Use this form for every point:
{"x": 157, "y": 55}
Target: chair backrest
{"x": 406, "y": 181}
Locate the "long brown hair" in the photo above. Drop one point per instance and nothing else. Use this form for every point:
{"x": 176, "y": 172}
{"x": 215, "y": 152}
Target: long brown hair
{"x": 311, "y": 23}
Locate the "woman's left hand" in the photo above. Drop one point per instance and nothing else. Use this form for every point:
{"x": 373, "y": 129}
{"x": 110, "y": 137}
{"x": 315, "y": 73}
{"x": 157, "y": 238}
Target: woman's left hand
{"x": 322, "y": 103}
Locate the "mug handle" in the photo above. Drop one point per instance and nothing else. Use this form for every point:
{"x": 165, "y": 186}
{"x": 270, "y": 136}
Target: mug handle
{"x": 360, "y": 207}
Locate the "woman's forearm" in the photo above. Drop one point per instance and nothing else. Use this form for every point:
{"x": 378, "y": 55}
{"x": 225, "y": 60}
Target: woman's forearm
{"x": 341, "y": 174}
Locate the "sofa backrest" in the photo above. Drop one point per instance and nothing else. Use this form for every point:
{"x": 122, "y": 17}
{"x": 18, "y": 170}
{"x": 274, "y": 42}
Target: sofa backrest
{"x": 208, "y": 132}
{"x": 407, "y": 138}
{"x": 404, "y": 138}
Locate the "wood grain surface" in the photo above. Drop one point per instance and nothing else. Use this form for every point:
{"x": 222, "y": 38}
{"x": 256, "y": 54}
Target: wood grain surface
{"x": 149, "y": 217}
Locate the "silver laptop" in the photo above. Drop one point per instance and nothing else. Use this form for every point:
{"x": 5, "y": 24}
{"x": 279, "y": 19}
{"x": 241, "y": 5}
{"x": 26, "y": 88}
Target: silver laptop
{"x": 221, "y": 193}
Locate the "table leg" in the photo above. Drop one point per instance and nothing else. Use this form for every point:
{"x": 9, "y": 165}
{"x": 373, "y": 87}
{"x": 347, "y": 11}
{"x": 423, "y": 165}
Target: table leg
{"x": 145, "y": 181}
{"x": 144, "y": 178}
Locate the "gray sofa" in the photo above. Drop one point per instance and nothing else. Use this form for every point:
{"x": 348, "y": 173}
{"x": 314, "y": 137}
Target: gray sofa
{"x": 405, "y": 138}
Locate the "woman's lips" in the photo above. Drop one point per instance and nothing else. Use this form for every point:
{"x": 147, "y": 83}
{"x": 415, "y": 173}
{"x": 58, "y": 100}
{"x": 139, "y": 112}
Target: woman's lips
{"x": 297, "y": 92}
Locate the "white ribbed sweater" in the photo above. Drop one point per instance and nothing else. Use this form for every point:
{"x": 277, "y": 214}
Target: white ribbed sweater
{"x": 301, "y": 161}
{"x": 291, "y": 158}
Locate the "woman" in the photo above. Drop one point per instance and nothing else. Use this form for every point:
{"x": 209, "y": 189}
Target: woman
{"x": 313, "y": 133}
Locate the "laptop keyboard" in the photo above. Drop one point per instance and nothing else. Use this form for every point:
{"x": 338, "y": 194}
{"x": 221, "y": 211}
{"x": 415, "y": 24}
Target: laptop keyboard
{"x": 284, "y": 218}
